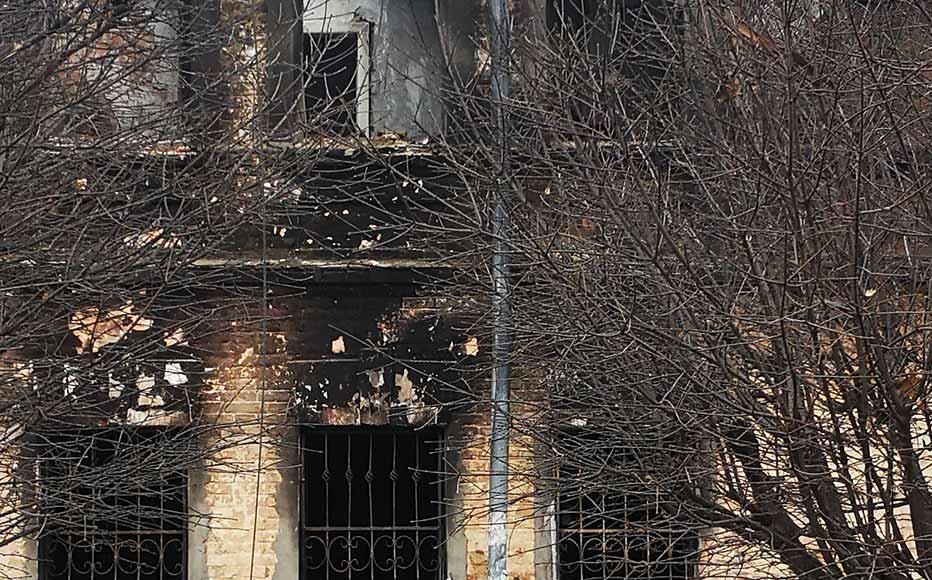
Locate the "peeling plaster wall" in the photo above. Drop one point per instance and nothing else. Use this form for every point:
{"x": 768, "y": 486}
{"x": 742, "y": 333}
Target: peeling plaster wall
{"x": 104, "y": 387}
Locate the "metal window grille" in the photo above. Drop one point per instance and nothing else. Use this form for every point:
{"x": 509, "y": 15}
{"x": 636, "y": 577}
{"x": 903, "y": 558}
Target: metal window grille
{"x": 371, "y": 506}
{"x": 112, "y": 513}
{"x": 613, "y": 530}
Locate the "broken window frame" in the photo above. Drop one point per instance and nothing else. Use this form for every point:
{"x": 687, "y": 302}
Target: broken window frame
{"x": 160, "y": 550}
{"x": 682, "y": 542}
{"x": 360, "y": 123}
{"x": 339, "y": 548}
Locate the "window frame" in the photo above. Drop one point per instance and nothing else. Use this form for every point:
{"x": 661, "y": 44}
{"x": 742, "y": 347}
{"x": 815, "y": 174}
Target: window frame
{"x": 434, "y": 434}
{"x": 560, "y": 534}
{"x": 362, "y": 123}
{"x": 138, "y": 435}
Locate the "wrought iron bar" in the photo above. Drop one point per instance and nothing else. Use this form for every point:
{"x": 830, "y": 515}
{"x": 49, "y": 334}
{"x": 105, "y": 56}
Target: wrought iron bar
{"x": 386, "y": 492}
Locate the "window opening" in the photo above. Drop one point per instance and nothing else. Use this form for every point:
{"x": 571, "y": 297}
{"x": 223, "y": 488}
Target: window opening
{"x": 569, "y": 16}
{"x": 113, "y": 511}
{"x": 610, "y": 533}
{"x": 336, "y": 84}
{"x": 612, "y": 28}
{"x": 372, "y": 504}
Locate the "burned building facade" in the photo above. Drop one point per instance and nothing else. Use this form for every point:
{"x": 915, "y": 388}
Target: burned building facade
{"x": 333, "y": 396}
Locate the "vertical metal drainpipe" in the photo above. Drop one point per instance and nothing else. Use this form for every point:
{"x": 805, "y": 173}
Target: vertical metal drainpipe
{"x": 501, "y": 299}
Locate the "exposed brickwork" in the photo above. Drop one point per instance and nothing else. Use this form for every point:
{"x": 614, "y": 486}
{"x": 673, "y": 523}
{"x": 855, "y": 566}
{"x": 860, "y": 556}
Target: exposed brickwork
{"x": 253, "y": 369}
{"x": 474, "y": 489}
{"x": 15, "y": 558}
{"x": 258, "y": 365}
{"x": 246, "y": 396}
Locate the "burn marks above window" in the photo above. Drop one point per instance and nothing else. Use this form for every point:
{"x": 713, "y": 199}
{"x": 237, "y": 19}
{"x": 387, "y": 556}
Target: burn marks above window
{"x": 336, "y": 84}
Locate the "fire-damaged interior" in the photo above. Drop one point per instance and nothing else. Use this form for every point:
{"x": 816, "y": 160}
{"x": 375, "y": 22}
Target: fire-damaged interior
{"x": 372, "y": 504}
{"x": 109, "y": 513}
{"x": 344, "y": 205}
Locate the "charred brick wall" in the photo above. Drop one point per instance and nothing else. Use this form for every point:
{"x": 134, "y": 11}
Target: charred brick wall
{"x": 348, "y": 354}
{"x": 247, "y": 489}
{"x": 369, "y": 349}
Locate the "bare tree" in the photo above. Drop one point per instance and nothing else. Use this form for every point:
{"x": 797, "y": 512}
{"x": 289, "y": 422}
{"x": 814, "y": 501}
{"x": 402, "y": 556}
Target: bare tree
{"x": 720, "y": 281}
{"x": 129, "y": 155}
{"x": 721, "y": 288}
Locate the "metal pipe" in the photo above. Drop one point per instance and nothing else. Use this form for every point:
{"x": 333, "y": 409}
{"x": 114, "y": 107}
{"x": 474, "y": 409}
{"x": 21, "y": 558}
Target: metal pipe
{"x": 501, "y": 301}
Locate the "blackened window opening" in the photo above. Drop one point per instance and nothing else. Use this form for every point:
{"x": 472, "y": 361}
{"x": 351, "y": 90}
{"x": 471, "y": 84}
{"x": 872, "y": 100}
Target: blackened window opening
{"x": 629, "y": 35}
{"x": 569, "y": 16}
{"x": 116, "y": 508}
{"x": 330, "y": 96}
{"x": 616, "y": 530}
{"x": 575, "y": 15}
{"x": 372, "y": 504}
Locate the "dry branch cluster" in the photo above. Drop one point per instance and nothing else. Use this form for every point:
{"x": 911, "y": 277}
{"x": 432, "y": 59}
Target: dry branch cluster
{"x": 720, "y": 231}
{"x": 720, "y": 225}
{"x": 117, "y": 175}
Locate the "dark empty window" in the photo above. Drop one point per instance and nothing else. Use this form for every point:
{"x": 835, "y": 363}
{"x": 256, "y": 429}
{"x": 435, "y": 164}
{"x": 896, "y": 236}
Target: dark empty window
{"x": 372, "y": 504}
{"x": 569, "y": 15}
{"x": 575, "y": 15}
{"x": 631, "y": 34}
{"x": 116, "y": 509}
{"x": 610, "y": 529}
{"x": 331, "y": 63}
